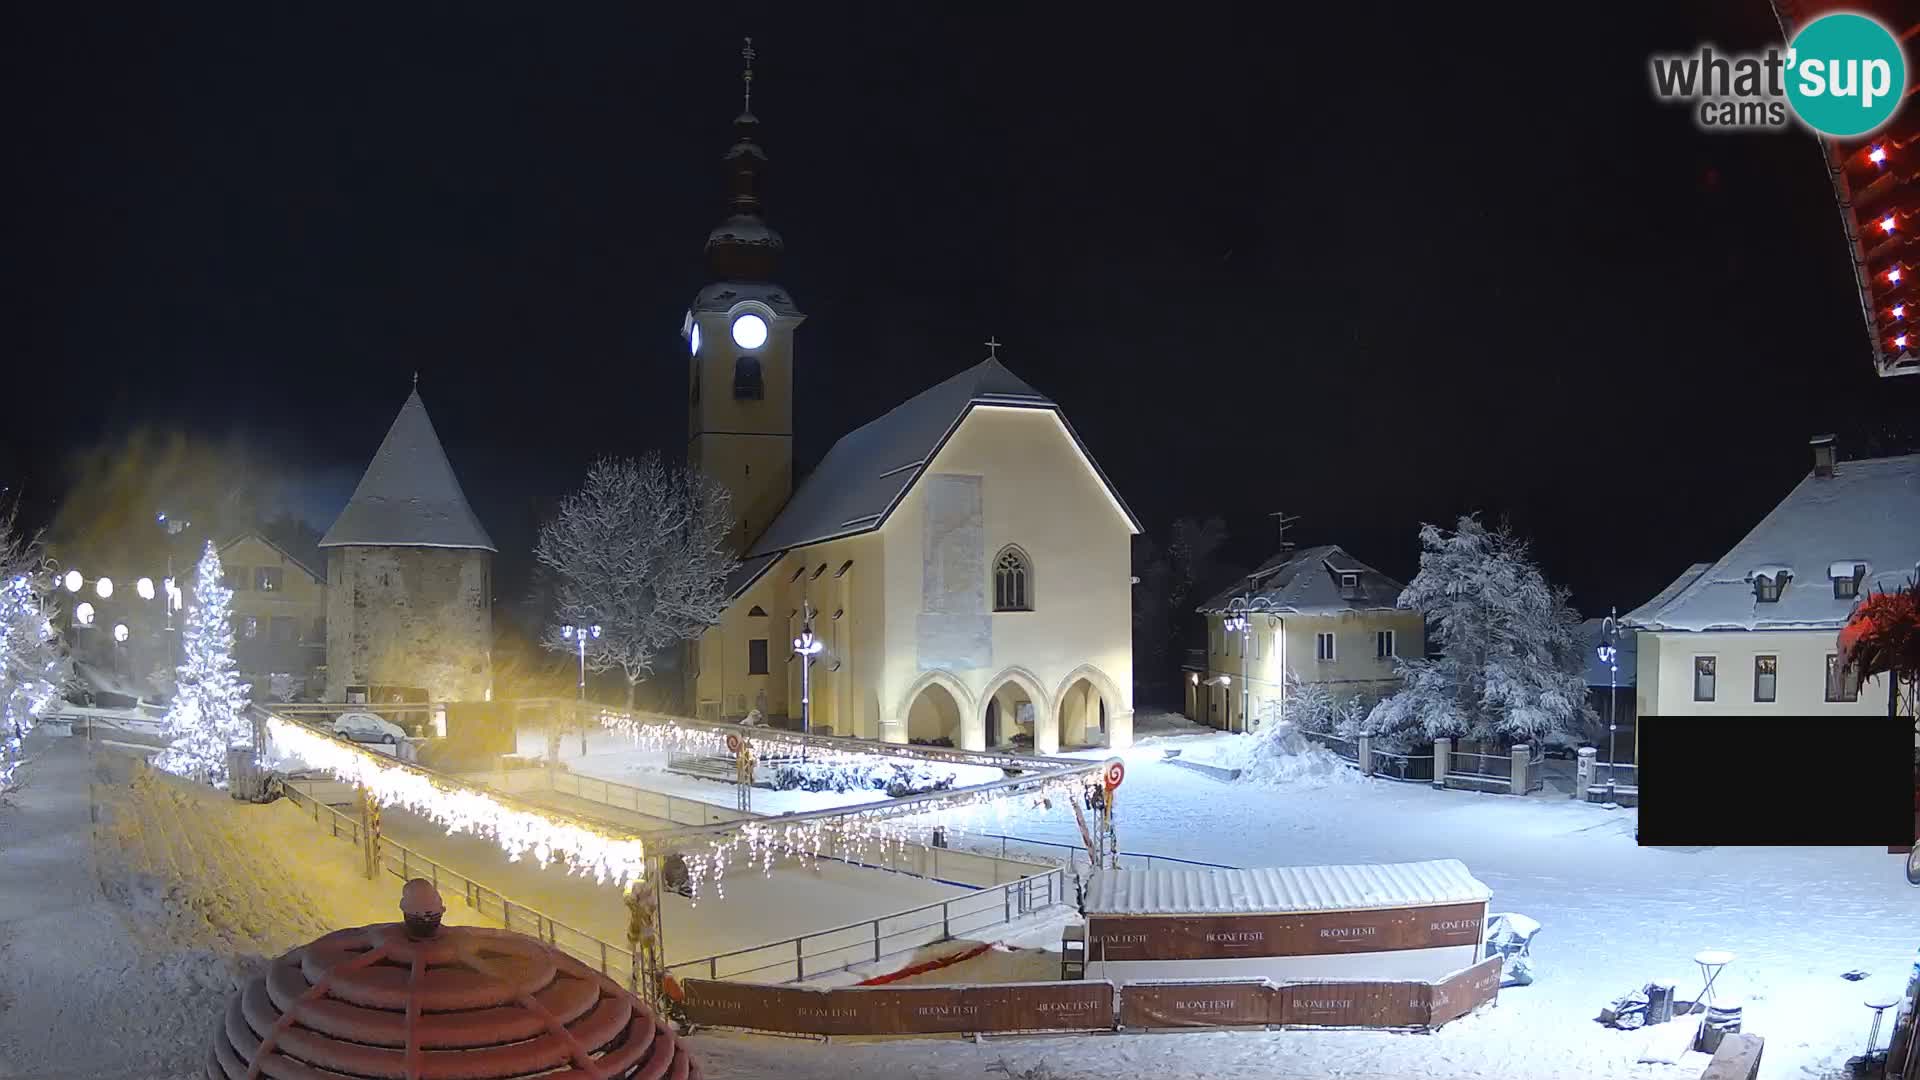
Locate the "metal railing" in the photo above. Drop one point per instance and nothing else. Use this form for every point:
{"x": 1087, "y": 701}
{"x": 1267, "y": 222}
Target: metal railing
{"x": 1414, "y": 768}
{"x": 947, "y": 866}
{"x": 406, "y": 864}
{"x": 1077, "y": 853}
{"x": 825, "y": 952}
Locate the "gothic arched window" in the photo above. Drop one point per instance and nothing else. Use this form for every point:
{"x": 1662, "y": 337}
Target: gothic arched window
{"x": 1012, "y": 580}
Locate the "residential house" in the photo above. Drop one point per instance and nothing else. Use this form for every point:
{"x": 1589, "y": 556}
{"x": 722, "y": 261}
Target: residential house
{"x": 279, "y": 616}
{"x": 1317, "y": 613}
{"x": 1755, "y": 632}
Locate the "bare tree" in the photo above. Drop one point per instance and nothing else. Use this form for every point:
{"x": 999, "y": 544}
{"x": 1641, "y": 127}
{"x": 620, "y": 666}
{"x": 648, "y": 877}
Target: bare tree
{"x": 641, "y": 551}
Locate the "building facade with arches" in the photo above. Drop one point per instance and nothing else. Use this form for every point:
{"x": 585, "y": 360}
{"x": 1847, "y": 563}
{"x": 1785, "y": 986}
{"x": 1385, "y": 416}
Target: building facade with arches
{"x": 961, "y": 561}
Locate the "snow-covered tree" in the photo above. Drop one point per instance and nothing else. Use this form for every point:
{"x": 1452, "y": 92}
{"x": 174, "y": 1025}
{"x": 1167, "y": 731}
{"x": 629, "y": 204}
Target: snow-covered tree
{"x": 33, "y": 665}
{"x": 641, "y": 551}
{"x": 1511, "y": 658}
{"x": 208, "y": 715}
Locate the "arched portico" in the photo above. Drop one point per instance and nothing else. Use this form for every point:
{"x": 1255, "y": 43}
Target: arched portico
{"x": 1090, "y": 711}
{"x": 937, "y": 705}
{"x": 1000, "y": 710}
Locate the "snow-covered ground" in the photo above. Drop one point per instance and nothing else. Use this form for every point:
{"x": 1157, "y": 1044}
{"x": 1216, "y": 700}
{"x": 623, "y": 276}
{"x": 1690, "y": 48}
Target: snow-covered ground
{"x": 1615, "y": 916}
{"x": 120, "y": 940}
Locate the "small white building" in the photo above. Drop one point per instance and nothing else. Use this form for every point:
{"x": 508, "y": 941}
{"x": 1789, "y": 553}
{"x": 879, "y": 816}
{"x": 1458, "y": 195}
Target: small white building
{"x": 1756, "y": 631}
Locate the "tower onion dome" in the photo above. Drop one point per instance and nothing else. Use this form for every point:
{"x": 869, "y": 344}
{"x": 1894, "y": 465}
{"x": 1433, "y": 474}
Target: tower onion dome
{"x": 416, "y": 1000}
{"x": 744, "y": 247}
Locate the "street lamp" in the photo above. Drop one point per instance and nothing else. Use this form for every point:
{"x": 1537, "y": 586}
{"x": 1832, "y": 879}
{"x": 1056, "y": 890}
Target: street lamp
{"x": 1610, "y": 656}
{"x": 1238, "y": 622}
{"x": 144, "y": 587}
{"x": 806, "y": 646}
{"x": 174, "y": 527}
{"x": 579, "y": 635}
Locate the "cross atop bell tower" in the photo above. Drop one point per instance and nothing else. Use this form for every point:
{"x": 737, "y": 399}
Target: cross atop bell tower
{"x": 740, "y": 334}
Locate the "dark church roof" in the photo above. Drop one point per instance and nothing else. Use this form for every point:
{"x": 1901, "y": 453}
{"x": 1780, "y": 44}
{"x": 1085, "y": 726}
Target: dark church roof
{"x": 872, "y": 468}
{"x": 1307, "y": 582}
{"x": 409, "y": 496}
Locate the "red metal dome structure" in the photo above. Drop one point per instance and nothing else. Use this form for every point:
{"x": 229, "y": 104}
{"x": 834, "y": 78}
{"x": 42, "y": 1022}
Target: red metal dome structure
{"x": 418, "y": 1001}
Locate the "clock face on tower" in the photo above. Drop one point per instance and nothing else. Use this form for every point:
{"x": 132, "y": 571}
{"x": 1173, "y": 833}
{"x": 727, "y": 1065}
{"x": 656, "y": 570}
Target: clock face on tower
{"x": 693, "y": 340}
{"x": 749, "y": 331}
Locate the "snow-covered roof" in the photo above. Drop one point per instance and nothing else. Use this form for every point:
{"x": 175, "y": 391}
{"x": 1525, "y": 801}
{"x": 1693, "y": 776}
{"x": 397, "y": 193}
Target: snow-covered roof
{"x": 866, "y": 474}
{"x": 1626, "y": 646}
{"x": 303, "y": 564}
{"x": 1867, "y": 511}
{"x": 1281, "y": 889}
{"x": 1307, "y": 582}
{"x": 409, "y": 496}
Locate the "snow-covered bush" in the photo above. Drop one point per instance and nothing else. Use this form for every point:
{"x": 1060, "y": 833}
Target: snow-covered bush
{"x": 895, "y": 778}
{"x": 1280, "y": 754}
{"x": 1511, "y": 664}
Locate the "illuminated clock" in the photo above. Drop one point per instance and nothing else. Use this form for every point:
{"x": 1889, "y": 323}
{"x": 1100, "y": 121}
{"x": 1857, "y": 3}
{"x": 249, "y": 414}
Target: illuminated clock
{"x": 749, "y": 331}
{"x": 693, "y": 339}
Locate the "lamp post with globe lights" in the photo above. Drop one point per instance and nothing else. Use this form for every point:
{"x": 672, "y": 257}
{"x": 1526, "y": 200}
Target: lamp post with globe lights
{"x": 806, "y": 647}
{"x": 579, "y": 636}
{"x": 1609, "y": 652}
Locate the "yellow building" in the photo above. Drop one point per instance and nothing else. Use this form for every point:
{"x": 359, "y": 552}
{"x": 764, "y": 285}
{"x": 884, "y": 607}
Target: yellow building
{"x": 279, "y": 615}
{"x": 1318, "y": 613}
{"x": 965, "y": 561}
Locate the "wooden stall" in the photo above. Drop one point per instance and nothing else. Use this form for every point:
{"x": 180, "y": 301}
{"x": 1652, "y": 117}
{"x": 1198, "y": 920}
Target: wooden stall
{"x": 1389, "y": 923}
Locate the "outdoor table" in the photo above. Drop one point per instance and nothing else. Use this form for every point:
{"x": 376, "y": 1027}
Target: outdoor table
{"x": 1711, "y": 962}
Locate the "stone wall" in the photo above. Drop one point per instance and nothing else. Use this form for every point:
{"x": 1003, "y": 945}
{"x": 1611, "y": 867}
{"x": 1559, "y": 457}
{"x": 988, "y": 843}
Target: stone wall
{"x": 410, "y": 616}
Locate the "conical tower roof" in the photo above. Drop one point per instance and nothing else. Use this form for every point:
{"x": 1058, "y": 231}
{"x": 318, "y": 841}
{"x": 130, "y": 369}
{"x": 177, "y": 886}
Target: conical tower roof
{"x": 409, "y": 496}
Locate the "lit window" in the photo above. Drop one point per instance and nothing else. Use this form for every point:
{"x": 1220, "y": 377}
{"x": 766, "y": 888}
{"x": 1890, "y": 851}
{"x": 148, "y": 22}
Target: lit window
{"x": 1383, "y": 644}
{"x": 1843, "y": 684}
{"x": 1012, "y": 581}
{"x": 1323, "y": 647}
{"x": 267, "y": 578}
{"x": 1703, "y": 677}
{"x": 1766, "y": 671}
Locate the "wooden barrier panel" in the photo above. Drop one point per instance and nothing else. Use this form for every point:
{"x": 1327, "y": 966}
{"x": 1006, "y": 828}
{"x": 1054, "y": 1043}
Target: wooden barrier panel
{"x": 1354, "y": 1003}
{"x": 904, "y": 1010}
{"x": 1081, "y": 1005}
{"x": 1198, "y": 1004}
{"x": 1464, "y": 991}
{"x": 1213, "y": 937}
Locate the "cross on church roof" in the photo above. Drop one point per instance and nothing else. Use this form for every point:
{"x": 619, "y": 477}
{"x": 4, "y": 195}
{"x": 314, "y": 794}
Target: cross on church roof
{"x": 993, "y": 348}
{"x": 747, "y": 54}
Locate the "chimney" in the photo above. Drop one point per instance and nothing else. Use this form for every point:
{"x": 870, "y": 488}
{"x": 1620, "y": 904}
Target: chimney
{"x": 1824, "y": 452}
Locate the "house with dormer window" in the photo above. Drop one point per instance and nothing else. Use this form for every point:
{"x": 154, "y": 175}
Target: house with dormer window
{"x": 1756, "y": 631}
{"x": 1316, "y": 613}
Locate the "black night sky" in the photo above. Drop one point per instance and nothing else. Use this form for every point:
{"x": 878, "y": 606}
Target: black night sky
{"x": 1371, "y": 267}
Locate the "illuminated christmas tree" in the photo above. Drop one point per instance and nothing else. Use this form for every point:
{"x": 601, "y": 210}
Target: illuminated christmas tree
{"x": 208, "y": 716}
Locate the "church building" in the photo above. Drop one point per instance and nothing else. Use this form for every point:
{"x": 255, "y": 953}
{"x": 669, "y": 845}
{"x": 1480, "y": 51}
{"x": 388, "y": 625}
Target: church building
{"x": 962, "y": 562}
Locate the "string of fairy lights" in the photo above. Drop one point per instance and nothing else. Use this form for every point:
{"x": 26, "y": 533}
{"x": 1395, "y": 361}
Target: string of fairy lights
{"x": 868, "y": 833}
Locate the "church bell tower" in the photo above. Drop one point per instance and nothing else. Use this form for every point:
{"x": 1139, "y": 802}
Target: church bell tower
{"x": 739, "y": 333}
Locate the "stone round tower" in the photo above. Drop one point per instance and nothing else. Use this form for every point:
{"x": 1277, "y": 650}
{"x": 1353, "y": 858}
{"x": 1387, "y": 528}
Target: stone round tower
{"x": 409, "y": 576}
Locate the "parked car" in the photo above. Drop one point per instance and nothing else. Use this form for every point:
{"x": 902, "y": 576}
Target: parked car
{"x": 367, "y": 727}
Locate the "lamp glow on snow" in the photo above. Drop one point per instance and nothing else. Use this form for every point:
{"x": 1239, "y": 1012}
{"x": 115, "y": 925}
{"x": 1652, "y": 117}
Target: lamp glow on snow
{"x": 144, "y": 587}
{"x": 74, "y": 581}
{"x": 104, "y": 587}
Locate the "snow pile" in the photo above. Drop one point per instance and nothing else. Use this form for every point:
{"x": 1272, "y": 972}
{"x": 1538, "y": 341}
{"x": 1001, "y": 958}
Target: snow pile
{"x": 1278, "y": 755}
